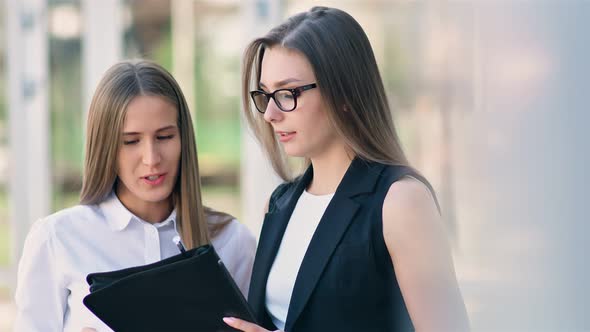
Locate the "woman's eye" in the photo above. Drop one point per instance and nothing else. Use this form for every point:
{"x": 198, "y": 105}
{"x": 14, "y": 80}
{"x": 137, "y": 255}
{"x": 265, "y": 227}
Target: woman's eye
{"x": 130, "y": 142}
{"x": 285, "y": 95}
{"x": 165, "y": 137}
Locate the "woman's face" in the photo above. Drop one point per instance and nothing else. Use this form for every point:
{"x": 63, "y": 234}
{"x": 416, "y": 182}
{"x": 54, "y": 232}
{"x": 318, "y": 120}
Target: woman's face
{"x": 305, "y": 131}
{"x": 149, "y": 155}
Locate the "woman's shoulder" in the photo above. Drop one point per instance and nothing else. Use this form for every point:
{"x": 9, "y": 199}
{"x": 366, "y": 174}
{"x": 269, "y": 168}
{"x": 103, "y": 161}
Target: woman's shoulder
{"x": 409, "y": 208}
{"x": 234, "y": 243}
{"x": 409, "y": 192}
{"x": 60, "y": 221}
{"x": 278, "y": 193}
{"x": 76, "y": 211}
{"x": 408, "y": 185}
{"x": 233, "y": 230}
{"x": 224, "y": 227}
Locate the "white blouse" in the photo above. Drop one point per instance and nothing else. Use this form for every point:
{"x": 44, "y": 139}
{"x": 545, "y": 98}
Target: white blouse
{"x": 305, "y": 219}
{"x": 61, "y": 249}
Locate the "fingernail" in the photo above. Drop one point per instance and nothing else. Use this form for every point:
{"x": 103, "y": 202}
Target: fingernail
{"x": 228, "y": 320}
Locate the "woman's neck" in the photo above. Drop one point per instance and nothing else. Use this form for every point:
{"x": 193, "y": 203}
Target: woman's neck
{"x": 152, "y": 212}
{"x": 328, "y": 171}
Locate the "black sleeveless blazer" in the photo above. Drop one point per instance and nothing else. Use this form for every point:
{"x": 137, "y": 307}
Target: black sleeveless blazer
{"x": 346, "y": 281}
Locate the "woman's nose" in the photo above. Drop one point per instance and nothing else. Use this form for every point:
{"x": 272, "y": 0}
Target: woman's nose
{"x": 272, "y": 113}
{"x": 151, "y": 154}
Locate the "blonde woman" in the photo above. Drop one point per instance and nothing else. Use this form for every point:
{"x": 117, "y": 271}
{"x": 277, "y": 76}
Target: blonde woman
{"x": 140, "y": 189}
{"x": 356, "y": 243}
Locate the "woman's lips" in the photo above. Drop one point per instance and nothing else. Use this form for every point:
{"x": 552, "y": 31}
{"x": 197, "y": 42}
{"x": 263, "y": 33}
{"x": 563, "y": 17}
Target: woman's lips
{"x": 285, "y": 136}
{"x": 155, "y": 179}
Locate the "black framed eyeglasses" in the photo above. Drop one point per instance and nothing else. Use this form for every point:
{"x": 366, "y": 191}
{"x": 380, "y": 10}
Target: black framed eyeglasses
{"x": 286, "y": 99}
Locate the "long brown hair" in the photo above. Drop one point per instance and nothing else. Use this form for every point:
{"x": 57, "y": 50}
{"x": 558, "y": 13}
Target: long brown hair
{"x": 120, "y": 84}
{"x": 347, "y": 76}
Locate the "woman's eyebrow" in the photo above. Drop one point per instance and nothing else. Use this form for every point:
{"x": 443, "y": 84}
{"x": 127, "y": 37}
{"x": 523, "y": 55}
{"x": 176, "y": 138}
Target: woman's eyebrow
{"x": 161, "y": 129}
{"x": 281, "y": 83}
{"x": 167, "y": 127}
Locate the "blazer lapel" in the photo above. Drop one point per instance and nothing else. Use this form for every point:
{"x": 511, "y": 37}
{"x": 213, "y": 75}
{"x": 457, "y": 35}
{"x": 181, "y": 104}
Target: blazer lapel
{"x": 271, "y": 235}
{"x": 361, "y": 177}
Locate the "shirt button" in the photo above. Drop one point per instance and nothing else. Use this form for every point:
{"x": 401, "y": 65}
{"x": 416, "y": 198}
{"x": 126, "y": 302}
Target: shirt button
{"x": 151, "y": 230}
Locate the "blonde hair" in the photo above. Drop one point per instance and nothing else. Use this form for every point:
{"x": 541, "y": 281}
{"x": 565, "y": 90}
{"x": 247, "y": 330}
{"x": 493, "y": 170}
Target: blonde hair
{"x": 348, "y": 79}
{"x": 120, "y": 84}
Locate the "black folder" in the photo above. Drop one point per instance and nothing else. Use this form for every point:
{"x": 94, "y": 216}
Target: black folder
{"x": 188, "y": 292}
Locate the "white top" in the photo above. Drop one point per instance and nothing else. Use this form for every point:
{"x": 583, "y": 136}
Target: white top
{"x": 281, "y": 279}
{"x": 61, "y": 249}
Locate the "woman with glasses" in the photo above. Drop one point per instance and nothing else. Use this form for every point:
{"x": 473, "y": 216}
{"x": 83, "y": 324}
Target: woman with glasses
{"x": 140, "y": 190}
{"x": 356, "y": 242}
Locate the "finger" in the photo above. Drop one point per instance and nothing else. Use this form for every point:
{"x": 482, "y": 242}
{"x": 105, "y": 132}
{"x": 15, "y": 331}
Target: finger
{"x": 242, "y": 325}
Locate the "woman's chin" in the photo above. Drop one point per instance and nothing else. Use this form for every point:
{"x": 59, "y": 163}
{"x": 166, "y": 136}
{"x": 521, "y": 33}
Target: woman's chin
{"x": 293, "y": 151}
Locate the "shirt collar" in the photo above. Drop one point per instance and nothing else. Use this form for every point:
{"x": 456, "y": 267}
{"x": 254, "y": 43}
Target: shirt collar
{"x": 118, "y": 217}
{"x": 170, "y": 220}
